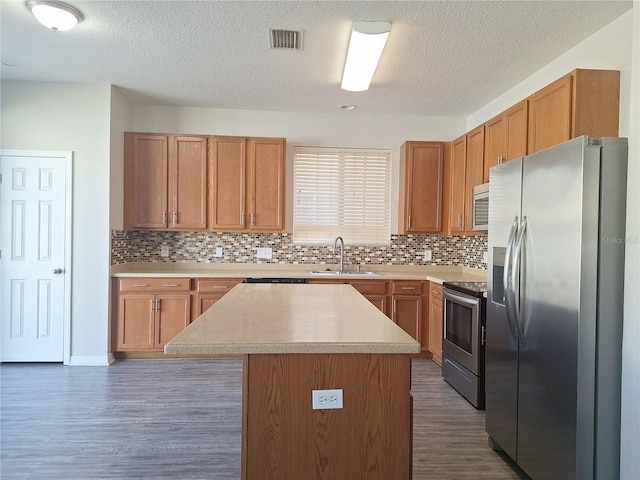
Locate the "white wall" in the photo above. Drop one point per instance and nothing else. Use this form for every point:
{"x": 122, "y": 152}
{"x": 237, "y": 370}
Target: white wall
{"x": 342, "y": 129}
{"x": 629, "y": 458}
{"x": 607, "y": 49}
{"x": 73, "y": 117}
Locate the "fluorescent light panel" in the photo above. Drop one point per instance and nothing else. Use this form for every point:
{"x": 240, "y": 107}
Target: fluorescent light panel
{"x": 365, "y": 48}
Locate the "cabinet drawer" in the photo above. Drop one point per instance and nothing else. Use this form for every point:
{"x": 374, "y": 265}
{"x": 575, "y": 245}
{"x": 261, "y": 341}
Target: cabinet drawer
{"x": 370, "y": 287}
{"x": 216, "y": 285}
{"x": 435, "y": 292}
{"x": 155, "y": 284}
{"x": 407, "y": 287}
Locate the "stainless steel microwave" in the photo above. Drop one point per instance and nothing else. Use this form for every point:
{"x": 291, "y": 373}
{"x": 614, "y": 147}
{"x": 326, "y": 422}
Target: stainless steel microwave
{"x": 481, "y": 207}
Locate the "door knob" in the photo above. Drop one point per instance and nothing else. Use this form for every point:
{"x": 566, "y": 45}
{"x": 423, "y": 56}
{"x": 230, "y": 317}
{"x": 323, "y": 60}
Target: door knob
{"x": 57, "y": 271}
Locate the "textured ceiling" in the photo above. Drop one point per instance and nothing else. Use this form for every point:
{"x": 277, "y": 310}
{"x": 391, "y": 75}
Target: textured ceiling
{"x": 442, "y": 57}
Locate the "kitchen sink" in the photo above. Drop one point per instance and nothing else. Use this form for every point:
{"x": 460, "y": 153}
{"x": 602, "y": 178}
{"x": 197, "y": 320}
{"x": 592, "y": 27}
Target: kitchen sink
{"x": 337, "y": 273}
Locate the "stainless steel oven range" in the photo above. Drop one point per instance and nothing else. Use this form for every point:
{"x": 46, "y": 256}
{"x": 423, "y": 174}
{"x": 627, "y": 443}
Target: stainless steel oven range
{"x": 464, "y": 338}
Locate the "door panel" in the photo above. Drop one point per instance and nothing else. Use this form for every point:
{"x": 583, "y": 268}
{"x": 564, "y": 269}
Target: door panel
{"x": 266, "y": 184}
{"x": 150, "y": 181}
{"x": 172, "y": 316}
{"x": 228, "y": 182}
{"x": 188, "y": 182}
{"x": 32, "y": 239}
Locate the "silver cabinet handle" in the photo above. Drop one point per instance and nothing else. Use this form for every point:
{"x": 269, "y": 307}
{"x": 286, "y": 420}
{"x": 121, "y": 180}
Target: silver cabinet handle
{"x": 175, "y": 218}
{"x": 58, "y": 271}
{"x": 170, "y": 285}
{"x": 253, "y": 219}
{"x": 220, "y": 286}
{"x": 164, "y": 218}
{"x": 242, "y": 219}
{"x": 153, "y": 305}
{"x": 436, "y": 292}
{"x": 395, "y": 306}
{"x": 500, "y": 159}
{"x": 409, "y": 221}
{"x": 139, "y": 285}
{"x": 408, "y": 288}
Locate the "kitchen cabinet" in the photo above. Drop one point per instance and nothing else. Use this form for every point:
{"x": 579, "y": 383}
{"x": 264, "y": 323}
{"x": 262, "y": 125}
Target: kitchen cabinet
{"x": 247, "y": 184}
{"x": 165, "y": 186}
{"x": 457, "y": 171}
{"x": 436, "y": 321}
{"x": 466, "y": 170}
{"x": 151, "y": 311}
{"x": 583, "y": 102}
{"x": 406, "y": 298}
{"x": 421, "y": 177}
{"x": 505, "y": 137}
{"x": 209, "y": 290}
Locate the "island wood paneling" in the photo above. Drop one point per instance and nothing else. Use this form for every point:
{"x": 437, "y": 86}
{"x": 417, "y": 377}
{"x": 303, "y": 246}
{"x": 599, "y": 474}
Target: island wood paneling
{"x": 368, "y": 439}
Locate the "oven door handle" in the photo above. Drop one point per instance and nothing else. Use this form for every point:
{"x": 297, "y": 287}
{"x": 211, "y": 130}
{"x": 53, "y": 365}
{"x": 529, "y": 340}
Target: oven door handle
{"x": 463, "y": 299}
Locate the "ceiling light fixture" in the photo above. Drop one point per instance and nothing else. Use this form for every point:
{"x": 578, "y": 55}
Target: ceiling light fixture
{"x": 54, "y": 15}
{"x": 365, "y": 48}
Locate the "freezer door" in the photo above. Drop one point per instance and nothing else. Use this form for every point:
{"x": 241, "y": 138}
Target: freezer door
{"x": 501, "y": 361}
{"x": 557, "y": 295}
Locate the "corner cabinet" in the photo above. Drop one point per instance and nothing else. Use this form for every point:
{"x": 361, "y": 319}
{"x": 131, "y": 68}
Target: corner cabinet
{"x": 421, "y": 174}
{"x": 165, "y": 185}
{"x": 247, "y": 184}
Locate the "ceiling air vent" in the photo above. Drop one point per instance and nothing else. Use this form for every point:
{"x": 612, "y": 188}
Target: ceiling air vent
{"x": 287, "y": 39}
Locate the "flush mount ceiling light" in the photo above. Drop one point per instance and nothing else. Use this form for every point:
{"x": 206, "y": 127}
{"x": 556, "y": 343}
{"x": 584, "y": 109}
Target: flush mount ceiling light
{"x": 365, "y": 47}
{"x": 54, "y": 15}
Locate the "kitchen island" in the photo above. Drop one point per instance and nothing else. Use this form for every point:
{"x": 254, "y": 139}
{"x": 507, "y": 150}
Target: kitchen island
{"x": 299, "y": 338}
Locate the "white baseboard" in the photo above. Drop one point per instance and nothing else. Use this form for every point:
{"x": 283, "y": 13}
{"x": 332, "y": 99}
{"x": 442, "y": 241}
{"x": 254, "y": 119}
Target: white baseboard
{"x": 91, "y": 360}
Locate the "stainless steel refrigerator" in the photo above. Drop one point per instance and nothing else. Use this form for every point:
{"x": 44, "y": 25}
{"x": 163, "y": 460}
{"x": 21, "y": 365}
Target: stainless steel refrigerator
{"x": 554, "y": 309}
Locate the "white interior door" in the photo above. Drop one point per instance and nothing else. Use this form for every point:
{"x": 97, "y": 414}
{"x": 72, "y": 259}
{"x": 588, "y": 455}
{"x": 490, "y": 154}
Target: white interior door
{"x": 33, "y": 288}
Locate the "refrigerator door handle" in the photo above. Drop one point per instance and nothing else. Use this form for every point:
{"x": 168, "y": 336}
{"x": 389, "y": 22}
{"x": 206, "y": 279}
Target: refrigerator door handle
{"x": 507, "y": 279}
{"x": 518, "y": 269}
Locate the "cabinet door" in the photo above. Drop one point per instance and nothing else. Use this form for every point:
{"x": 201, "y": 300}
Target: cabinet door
{"x": 148, "y": 186}
{"x": 228, "y": 166}
{"x": 188, "y": 183}
{"x": 380, "y": 301}
{"x": 407, "y": 313}
{"x": 421, "y": 172}
{"x": 457, "y": 186}
{"x": 516, "y": 121}
{"x": 474, "y": 172}
{"x": 172, "y": 316}
{"x": 550, "y": 115}
{"x": 266, "y": 184}
{"x": 494, "y": 143}
{"x": 436, "y": 318}
{"x": 136, "y": 322}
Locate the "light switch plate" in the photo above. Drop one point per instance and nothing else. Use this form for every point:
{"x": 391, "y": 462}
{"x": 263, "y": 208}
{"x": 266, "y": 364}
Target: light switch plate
{"x": 427, "y": 256}
{"x": 485, "y": 257}
{"x": 326, "y": 399}
{"x": 164, "y": 251}
{"x": 265, "y": 252}
{"x": 218, "y": 252}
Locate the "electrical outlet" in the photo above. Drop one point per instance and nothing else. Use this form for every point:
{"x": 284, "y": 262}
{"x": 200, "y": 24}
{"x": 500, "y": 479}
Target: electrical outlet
{"x": 218, "y": 252}
{"x": 427, "y": 256}
{"x": 164, "y": 251}
{"x": 265, "y": 252}
{"x": 326, "y": 399}
{"x": 485, "y": 257}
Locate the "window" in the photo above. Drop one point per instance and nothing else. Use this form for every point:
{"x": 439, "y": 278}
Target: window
{"x": 341, "y": 191}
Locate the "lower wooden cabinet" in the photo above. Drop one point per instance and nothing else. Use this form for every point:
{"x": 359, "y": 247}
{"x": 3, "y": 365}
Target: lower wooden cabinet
{"x": 209, "y": 290}
{"x": 406, "y": 298}
{"x": 436, "y": 318}
{"x": 151, "y": 312}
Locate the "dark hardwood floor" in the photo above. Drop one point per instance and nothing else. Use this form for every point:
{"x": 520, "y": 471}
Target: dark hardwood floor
{"x": 181, "y": 419}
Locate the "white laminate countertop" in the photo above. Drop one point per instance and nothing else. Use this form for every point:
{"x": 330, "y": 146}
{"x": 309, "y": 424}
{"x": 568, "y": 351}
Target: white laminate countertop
{"x": 292, "y": 318}
{"x": 436, "y": 274}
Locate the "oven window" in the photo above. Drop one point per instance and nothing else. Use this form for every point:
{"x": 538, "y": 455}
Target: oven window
{"x": 459, "y": 325}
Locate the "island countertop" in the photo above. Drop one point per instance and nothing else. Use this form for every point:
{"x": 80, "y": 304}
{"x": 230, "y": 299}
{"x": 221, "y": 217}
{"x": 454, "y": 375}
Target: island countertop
{"x": 285, "y": 318}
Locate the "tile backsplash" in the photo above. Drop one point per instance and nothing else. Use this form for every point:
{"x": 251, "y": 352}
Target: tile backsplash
{"x": 142, "y": 246}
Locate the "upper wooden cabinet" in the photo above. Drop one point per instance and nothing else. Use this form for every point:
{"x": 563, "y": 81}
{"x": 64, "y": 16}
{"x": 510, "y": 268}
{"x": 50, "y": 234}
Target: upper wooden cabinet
{"x": 247, "y": 184}
{"x": 421, "y": 173}
{"x": 165, "y": 182}
{"x": 465, "y": 171}
{"x": 584, "y": 102}
{"x": 457, "y": 171}
{"x": 505, "y": 137}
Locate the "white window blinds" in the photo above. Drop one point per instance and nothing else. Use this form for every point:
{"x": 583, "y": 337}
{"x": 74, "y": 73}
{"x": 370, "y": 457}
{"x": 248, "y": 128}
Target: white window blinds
{"x": 341, "y": 191}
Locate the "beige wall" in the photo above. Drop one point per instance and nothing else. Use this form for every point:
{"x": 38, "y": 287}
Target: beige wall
{"x": 73, "y": 117}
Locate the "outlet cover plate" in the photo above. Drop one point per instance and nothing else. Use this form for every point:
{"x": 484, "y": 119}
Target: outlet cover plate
{"x": 427, "y": 256}
{"x": 164, "y": 251}
{"x": 326, "y": 399}
{"x": 265, "y": 252}
{"x": 218, "y": 252}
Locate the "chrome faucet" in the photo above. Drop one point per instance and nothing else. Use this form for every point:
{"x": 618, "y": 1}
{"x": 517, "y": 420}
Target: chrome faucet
{"x": 335, "y": 245}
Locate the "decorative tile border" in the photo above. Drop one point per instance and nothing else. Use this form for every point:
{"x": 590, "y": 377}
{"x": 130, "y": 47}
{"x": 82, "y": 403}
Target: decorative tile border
{"x": 140, "y": 246}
